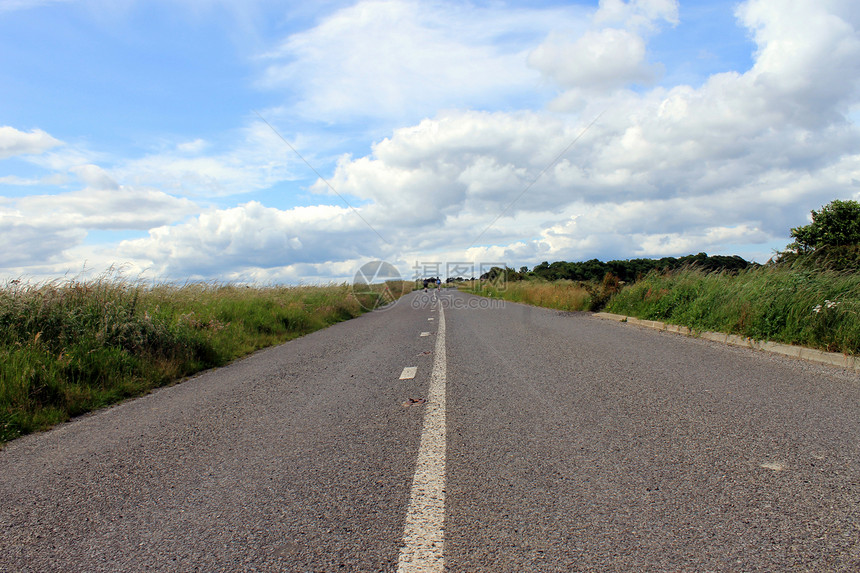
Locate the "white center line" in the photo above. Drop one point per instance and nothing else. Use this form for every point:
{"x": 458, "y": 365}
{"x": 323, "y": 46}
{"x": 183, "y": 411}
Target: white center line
{"x": 423, "y": 533}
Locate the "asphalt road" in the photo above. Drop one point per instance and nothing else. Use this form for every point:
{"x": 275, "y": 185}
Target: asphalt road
{"x": 568, "y": 444}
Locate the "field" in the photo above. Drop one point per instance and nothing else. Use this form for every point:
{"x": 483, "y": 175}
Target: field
{"x": 68, "y": 348}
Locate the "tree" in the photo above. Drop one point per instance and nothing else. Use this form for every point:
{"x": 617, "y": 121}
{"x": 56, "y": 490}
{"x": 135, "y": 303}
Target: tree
{"x": 836, "y": 224}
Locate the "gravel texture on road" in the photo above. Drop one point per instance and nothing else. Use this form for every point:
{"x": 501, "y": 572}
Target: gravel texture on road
{"x": 298, "y": 458}
{"x": 584, "y": 445}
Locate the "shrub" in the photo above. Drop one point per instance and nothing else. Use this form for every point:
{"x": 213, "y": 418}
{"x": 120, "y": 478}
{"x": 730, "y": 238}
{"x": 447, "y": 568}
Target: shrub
{"x": 836, "y": 224}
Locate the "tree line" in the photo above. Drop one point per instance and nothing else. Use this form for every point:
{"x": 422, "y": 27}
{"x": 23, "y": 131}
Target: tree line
{"x": 831, "y": 241}
{"x": 626, "y": 270}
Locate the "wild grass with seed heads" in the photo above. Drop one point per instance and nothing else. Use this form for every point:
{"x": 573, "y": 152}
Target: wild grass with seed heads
{"x": 814, "y": 308}
{"x": 70, "y": 347}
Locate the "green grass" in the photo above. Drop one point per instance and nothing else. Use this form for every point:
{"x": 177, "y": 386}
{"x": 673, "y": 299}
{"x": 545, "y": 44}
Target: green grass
{"x": 70, "y": 348}
{"x": 560, "y": 295}
{"x": 791, "y": 303}
{"x": 814, "y": 308}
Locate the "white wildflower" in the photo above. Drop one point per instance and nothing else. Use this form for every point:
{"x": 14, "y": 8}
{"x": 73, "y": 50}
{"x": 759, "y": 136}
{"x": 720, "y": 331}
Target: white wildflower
{"x": 827, "y": 304}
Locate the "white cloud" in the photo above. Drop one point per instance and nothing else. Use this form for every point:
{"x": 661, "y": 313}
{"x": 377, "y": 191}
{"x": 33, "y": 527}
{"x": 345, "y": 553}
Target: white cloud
{"x": 48, "y": 232}
{"x": 25, "y": 244}
{"x": 95, "y": 177}
{"x": 808, "y": 57}
{"x": 734, "y": 162}
{"x": 727, "y": 166}
{"x": 599, "y": 60}
{"x": 14, "y": 142}
{"x": 456, "y": 163}
{"x": 402, "y": 59}
{"x": 251, "y": 238}
{"x": 102, "y": 208}
{"x": 54, "y": 179}
{"x": 611, "y": 55}
{"x": 637, "y": 14}
{"x": 195, "y": 146}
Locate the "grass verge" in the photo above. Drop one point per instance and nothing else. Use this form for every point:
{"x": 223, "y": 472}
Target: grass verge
{"x": 792, "y": 303}
{"x": 560, "y": 294}
{"x": 813, "y": 308}
{"x": 66, "y": 349}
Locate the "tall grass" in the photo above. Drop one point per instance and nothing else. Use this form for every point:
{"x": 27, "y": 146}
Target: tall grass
{"x": 68, "y": 348}
{"x": 791, "y": 303}
{"x": 819, "y": 309}
{"x": 560, "y": 295}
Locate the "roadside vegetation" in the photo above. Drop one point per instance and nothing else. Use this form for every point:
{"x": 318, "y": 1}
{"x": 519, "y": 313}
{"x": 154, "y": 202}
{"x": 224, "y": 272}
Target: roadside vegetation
{"x": 69, "y": 348}
{"x": 808, "y": 295}
{"x": 588, "y": 285}
{"x": 561, "y": 294}
{"x": 818, "y": 309}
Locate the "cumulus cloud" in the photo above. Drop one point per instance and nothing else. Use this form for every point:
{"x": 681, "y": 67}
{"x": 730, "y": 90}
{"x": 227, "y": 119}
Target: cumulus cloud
{"x": 459, "y": 162}
{"x": 727, "y": 166}
{"x": 733, "y": 162}
{"x": 14, "y": 142}
{"x": 103, "y": 208}
{"x": 599, "y": 60}
{"x": 41, "y": 231}
{"x": 609, "y": 56}
{"x": 401, "y": 58}
{"x": 808, "y": 57}
{"x": 94, "y": 176}
{"x": 250, "y": 238}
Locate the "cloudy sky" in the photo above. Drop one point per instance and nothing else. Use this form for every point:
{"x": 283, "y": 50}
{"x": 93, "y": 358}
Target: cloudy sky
{"x": 290, "y": 142}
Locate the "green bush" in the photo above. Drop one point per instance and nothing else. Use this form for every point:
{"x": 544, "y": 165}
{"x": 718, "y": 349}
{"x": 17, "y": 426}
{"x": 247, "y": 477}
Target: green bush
{"x": 836, "y": 224}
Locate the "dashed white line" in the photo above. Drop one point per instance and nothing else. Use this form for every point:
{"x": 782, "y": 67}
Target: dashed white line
{"x": 408, "y": 372}
{"x": 423, "y": 533}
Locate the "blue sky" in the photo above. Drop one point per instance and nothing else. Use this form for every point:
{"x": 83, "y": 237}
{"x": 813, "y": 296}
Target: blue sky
{"x": 130, "y": 134}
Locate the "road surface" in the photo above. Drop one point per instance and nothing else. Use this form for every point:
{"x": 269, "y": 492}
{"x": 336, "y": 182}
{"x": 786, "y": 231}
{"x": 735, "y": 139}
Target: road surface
{"x": 519, "y": 439}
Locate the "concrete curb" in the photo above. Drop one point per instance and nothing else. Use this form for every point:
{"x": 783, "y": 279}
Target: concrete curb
{"x": 803, "y": 353}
